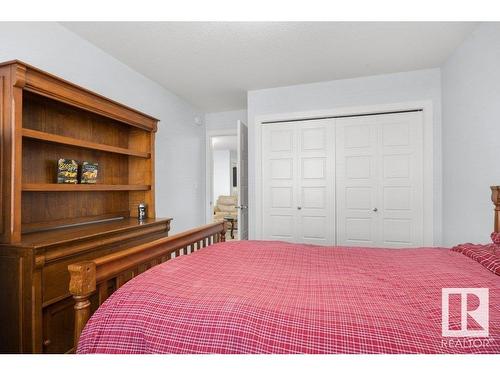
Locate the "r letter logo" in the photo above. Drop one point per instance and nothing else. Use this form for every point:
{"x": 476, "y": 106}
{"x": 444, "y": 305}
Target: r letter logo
{"x": 465, "y": 312}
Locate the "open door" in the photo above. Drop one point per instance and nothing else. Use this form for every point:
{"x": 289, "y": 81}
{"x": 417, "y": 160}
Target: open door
{"x": 242, "y": 171}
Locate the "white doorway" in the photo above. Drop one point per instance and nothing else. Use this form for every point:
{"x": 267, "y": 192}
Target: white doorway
{"x": 227, "y": 179}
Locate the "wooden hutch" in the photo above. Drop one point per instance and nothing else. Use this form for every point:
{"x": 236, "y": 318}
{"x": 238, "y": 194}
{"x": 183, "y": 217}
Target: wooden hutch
{"x": 45, "y": 226}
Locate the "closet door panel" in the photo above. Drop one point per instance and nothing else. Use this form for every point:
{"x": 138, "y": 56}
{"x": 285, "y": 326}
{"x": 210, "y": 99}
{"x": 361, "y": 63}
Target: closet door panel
{"x": 279, "y": 166}
{"x": 315, "y": 209}
{"x": 380, "y": 180}
{"x": 356, "y": 182}
{"x": 401, "y": 176}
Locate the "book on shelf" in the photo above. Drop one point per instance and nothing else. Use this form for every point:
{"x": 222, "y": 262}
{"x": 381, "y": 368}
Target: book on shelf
{"x": 89, "y": 173}
{"x": 67, "y": 171}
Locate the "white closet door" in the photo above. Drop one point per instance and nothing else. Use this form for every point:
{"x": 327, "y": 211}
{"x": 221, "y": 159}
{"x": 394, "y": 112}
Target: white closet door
{"x": 279, "y": 172}
{"x": 357, "y": 181}
{"x": 298, "y": 182}
{"x": 315, "y": 187}
{"x": 380, "y": 180}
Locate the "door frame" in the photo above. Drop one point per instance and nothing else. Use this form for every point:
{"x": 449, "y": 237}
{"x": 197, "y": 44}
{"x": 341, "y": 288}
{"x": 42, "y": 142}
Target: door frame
{"x": 209, "y": 166}
{"x": 426, "y": 106}
{"x": 242, "y": 128}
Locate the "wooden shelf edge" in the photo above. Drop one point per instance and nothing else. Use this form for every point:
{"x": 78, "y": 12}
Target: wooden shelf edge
{"x": 85, "y": 230}
{"x": 84, "y": 187}
{"x": 54, "y": 138}
{"x": 28, "y": 228}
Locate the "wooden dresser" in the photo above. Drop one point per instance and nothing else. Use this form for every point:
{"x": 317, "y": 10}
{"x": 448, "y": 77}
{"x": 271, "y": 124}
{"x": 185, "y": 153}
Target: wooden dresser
{"x": 45, "y": 226}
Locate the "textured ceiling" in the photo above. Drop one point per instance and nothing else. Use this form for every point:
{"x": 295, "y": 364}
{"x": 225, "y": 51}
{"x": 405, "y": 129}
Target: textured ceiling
{"x": 213, "y": 64}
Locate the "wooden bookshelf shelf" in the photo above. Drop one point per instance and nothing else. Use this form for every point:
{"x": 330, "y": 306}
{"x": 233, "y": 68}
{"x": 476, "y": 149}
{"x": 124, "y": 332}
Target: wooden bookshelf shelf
{"x": 84, "y": 187}
{"x": 54, "y": 138}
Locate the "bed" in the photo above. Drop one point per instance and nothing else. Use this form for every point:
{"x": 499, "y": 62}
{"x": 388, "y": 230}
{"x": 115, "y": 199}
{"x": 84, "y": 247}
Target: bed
{"x": 277, "y": 297}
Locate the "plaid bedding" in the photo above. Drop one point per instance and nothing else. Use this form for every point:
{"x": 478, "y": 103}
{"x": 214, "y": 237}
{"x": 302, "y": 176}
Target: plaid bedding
{"x": 487, "y": 255}
{"x": 277, "y": 297}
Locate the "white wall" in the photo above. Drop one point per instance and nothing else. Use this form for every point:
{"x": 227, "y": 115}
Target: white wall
{"x": 221, "y": 173}
{"x": 224, "y": 120}
{"x": 471, "y": 136}
{"x": 383, "y": 89}
{"x": 179, "y": 143}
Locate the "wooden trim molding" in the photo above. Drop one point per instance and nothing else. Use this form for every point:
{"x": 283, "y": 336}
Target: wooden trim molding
{"x": 93, "y": 276}
{"x": 11, "y": 158}
{"x": 19, "y": 75}
{"x": 40, "y": 82}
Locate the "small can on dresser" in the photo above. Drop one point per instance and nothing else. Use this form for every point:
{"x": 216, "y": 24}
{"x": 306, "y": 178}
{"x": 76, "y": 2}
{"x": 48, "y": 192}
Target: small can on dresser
{"x": 141, "y": 211}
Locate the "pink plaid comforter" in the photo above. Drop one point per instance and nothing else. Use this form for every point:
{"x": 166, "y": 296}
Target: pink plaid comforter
{"x": 276, "y": 297}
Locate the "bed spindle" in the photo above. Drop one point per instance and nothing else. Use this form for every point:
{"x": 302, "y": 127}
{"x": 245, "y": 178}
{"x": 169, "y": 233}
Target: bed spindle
{"x": 102, "y": 293}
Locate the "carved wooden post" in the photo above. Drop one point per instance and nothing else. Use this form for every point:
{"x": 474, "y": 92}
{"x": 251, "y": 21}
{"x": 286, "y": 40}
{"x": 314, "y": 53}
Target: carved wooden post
{"x": 82, "y": 285}
{"x": 495, "y": 198}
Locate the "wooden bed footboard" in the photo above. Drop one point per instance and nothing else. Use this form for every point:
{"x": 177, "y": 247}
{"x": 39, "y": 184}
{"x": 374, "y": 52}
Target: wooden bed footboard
{"x": 102, "y": 276}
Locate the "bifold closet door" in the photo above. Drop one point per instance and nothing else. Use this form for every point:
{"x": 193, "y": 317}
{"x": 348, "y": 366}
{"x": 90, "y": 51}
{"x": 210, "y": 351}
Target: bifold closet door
{"x": 298, "y": 181}
{"x": 380, "y": 180}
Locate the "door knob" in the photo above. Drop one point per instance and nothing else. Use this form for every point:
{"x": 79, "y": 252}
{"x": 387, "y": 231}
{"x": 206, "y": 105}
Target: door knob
{"x": 299, "y": 208}
{"x": 375, "y": 209}
{"x": 243, "y": 207}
